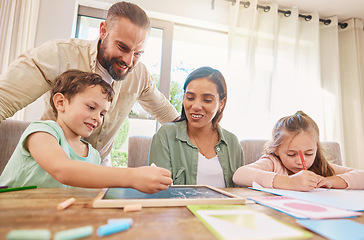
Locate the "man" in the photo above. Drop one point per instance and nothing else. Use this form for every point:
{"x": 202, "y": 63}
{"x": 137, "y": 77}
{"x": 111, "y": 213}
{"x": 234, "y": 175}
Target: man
{"x": 114, "y": 55}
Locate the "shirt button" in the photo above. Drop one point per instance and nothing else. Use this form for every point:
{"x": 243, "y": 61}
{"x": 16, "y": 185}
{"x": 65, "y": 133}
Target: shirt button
{"x": 218, "y": 149}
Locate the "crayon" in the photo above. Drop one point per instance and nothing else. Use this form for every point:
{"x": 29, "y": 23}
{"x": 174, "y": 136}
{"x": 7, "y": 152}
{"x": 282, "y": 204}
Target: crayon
{"x": 74, "y": 233}
{"x": 41, "y": 234}
{"x": 66, "y": 204}
{"x": 111, "y": 228}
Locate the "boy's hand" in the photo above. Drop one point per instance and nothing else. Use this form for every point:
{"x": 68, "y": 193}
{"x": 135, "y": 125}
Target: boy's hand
{"x": 151, "y": 179}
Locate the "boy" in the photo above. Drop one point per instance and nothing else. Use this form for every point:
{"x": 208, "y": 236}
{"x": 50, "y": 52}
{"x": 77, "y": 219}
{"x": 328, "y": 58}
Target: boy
{"x": 54, "y": 154}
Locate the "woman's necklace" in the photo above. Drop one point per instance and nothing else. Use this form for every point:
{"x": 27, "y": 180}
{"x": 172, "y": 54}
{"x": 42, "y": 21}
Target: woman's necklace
{"x": 199, "y": 148}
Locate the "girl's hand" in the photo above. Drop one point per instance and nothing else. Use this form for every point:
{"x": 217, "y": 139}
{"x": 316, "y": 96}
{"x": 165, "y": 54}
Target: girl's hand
{"x": 332, "y": 182}
{"x": 151, "y": 179}
{"x": 301, "y": 181}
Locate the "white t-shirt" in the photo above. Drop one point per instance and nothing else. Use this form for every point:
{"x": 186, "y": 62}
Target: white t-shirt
{"x": 209, "y": 172}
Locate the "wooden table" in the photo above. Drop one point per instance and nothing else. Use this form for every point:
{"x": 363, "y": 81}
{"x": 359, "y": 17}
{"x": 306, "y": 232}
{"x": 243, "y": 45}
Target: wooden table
{"x": 36, "y": 208}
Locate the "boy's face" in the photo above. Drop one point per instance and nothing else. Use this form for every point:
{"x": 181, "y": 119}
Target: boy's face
{"x": 85, "y": 111}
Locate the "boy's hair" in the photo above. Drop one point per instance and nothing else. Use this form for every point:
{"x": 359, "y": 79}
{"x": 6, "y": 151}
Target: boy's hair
{"x": 74, "y": 81}
{"x": 217, "y": 78}
{"x": 295, "y": 124}
{"x": 129, "y": 11}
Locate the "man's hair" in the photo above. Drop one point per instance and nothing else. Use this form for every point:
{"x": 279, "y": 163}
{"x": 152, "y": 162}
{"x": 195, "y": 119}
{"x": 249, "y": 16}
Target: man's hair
{"x": 129, "y": 11}
{"x": 74, "y": 81}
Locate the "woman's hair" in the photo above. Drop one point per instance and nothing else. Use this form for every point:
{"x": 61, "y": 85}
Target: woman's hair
{"x": 295, "y": 124}
{"x": 129, "y": 11}
{"x": 75, "y": 81}
{"x": 217, "y": 78}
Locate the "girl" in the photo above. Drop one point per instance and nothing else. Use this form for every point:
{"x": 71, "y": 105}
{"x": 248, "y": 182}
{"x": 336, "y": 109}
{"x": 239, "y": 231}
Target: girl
{"x": 196, "y": 149}
{"x": 54, "y": 154}
{"x": 281, "y": 166}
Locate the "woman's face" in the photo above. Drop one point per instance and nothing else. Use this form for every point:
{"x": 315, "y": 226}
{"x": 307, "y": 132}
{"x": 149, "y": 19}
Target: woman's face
{"x": 201, "y": 102}
{"x": 288, "y": 150}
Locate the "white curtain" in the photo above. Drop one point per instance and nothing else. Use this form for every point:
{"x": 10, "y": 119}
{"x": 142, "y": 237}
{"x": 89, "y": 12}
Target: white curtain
{"x": 351, "y": 42}
{"x": 281, "y": 64}
{"x": 18, "y": 22}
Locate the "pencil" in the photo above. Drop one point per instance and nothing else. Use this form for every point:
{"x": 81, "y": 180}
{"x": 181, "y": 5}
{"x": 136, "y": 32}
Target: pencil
{"x": 302, "y": 160}
{"x": 16, "y": 188}
{"x": 66, "y": 204}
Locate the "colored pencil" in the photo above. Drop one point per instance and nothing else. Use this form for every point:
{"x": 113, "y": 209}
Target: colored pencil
{"x": 16, "y": 188}
{"x": 302, "y": 160}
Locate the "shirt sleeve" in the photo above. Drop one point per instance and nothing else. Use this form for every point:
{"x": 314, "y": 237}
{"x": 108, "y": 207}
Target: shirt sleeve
{"x": 27, "y": 78}
{"x": 261, "y": 172}
{"x": 353, "y": 177}
{"x": 159, "y": 152}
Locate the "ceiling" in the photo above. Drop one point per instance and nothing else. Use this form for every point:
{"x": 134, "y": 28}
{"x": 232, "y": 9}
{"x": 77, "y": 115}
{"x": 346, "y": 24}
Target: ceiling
{"x": 343, "y": 9}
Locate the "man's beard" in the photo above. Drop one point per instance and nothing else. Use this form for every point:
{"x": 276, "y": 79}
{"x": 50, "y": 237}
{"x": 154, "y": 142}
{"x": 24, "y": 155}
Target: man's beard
{"x": 110, "y": 69}
{"x": 108, "y": 65}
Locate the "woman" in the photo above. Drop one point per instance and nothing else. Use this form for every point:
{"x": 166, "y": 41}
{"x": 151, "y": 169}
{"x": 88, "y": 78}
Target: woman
{"x": 196, "y": 149}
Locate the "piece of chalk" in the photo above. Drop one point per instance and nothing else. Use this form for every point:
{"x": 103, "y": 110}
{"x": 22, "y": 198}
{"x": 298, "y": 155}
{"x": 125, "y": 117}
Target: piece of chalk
{"x": 132, "y": 208}
{"x": 153, "y": 165}
{"x": 66, "y": 204}
{"x": 42, "y": 234}
{"x": 116, "y": 220}
{"x": 108, "y": 229}
{"x": 74, "y": 233}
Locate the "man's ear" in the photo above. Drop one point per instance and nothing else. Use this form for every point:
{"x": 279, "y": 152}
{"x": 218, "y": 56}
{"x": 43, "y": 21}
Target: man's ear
{"x": 103, "y": 30}
{"x": 59, "y": 101}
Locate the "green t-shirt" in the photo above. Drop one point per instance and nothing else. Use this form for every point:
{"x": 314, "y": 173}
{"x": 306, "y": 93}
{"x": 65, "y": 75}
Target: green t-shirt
{"x": 23, "y": 170}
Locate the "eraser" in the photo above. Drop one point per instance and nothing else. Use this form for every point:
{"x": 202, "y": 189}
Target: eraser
{"x": 74, "y": 233}
{"x": 132, "y": 208}
{"x": 111, "y": 228}
{"x": 66, "y": 204}
{"x": 41, "y": 234}
{"x": 117, "y": 220}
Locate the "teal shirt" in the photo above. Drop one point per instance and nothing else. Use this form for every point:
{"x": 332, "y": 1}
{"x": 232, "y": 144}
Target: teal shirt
{"x": 23, "y": 170}
{"x": 172, "y": 149}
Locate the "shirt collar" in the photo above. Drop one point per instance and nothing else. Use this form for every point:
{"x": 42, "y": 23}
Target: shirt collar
{"x": 183, "y": 136}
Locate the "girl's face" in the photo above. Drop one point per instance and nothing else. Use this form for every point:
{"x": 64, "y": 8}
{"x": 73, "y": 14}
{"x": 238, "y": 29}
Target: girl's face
{"x": 288, "y": 150}
{"x": 201, "y": 102}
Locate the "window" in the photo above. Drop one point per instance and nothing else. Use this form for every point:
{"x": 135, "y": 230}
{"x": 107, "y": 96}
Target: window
{"x": 172, "y": 52}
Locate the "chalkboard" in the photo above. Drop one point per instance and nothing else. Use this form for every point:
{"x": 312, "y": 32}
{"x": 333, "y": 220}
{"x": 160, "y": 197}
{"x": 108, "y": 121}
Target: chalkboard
{"x": 180, "y": 195}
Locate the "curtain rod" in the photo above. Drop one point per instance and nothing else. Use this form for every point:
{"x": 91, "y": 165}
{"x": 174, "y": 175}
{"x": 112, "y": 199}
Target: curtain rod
{"x": 286, "y": 13}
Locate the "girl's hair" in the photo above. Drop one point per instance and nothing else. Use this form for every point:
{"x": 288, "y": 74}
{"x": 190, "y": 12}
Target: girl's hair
{"x": 129, "y": 11}
{"x": 295, "y": 124}
{"x": 75, "y": 81}
{"x": 214, "y": 76}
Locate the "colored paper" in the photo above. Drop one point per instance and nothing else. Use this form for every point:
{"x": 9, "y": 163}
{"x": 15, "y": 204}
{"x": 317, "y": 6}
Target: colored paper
{"x": 302, "y": 209}
{"x": 241, "y": 222}
{"x": 339, "y": 198}
{"x": 335, "y": 229}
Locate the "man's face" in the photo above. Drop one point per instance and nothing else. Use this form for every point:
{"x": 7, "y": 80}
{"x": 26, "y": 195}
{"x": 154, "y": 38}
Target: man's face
{"x": 122, "y": 44}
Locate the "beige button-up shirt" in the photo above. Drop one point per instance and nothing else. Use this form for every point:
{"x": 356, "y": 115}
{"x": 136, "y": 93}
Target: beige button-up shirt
{"x": 32, "y": 74}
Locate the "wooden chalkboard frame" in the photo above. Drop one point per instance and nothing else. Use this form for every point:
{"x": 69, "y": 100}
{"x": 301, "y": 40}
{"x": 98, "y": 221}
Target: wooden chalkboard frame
{"x": 228, "y": 198}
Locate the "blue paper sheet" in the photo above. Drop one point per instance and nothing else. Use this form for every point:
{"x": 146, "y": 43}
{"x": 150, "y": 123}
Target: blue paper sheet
{"x": 335, "y": 229}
